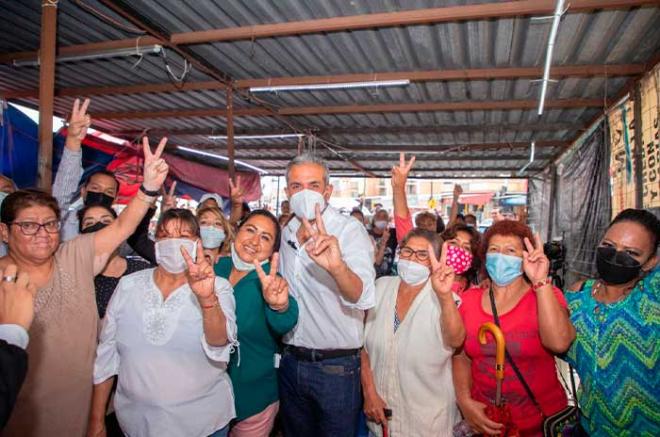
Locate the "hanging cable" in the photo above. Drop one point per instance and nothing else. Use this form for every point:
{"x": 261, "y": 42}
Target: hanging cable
{"x": 187, "y": 67}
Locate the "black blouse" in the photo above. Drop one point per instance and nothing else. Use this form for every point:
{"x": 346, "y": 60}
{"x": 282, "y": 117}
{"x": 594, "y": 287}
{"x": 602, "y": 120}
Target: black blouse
{"x": 105, "y": 285}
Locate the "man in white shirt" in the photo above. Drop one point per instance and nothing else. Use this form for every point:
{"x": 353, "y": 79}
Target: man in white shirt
{"x": 327, "y": 260}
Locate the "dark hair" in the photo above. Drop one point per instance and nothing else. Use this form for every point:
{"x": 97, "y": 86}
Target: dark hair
{"x": 640, "y": 216}
{"x": 181, "y": 214}
{"x": 460, "y": 216}
{"x": 21, "y": 199}
{"x": 440, "y": 225}
{"x": 101, "y": 172}
{"x": 429, "y": 236}
{"x": 83, "y": 211}
{"x": 475, "y": 241}
{"x": 471, "y": 216}
{"x": 357, "y": 211}
{"x": 272, "y": 218}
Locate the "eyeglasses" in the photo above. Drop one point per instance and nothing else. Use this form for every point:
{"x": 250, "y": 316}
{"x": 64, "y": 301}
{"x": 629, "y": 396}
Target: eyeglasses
{"x": 32, "y": 228}
{"x": 421, "y": 255}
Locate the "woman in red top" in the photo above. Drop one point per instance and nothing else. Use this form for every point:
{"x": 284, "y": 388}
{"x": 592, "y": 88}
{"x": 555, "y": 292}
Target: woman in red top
{"x": 535, "y": 323}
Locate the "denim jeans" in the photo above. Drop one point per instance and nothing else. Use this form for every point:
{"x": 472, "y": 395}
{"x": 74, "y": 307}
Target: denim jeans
{"x": 224, "y": 432}
{"x": 320, "y": 398}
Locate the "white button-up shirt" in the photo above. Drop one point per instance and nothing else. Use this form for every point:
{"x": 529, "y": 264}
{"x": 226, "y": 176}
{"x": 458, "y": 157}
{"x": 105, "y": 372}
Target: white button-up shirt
{"x": 171, "y": 381}
{"x": 326, "y": 319}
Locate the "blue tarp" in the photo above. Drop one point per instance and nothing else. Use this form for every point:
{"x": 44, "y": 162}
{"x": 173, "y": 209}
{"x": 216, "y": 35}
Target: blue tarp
{"x": 19, "y": 147}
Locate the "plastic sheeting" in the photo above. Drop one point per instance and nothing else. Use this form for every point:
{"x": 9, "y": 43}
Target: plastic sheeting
{"x": 582, "y": 204}
{"x": 18, "y": 146}
{"x": 538, "y": 209}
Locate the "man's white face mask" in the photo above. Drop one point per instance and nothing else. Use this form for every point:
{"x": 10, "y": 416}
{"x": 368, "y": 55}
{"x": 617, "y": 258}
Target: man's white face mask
{"x": 303, "y": 203}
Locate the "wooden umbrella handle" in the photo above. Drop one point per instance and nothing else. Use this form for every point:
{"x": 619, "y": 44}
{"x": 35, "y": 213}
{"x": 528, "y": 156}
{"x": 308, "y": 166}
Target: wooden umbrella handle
{"x": 499, "y": 344}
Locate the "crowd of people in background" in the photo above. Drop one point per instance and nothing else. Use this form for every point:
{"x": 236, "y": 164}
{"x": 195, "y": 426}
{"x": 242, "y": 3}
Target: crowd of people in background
{"x": 311, "y": 322}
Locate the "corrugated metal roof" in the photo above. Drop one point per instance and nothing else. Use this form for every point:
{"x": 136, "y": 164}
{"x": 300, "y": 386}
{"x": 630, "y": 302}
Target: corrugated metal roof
{"x": 604, "y": 37}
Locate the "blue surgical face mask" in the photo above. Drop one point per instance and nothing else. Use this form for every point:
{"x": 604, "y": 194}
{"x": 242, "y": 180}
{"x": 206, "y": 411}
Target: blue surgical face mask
{"x": 212, "y": 237}
{"x": 503, "y": 269}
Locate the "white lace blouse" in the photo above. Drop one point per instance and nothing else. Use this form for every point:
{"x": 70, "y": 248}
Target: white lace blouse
{"x": 171, "y": 381}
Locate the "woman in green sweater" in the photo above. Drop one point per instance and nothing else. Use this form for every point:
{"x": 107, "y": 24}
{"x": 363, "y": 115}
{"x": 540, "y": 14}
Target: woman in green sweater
{"x": 264, "y": 312}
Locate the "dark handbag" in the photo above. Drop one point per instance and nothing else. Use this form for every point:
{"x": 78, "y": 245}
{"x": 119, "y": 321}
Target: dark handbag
{"x": 564, "y": 423}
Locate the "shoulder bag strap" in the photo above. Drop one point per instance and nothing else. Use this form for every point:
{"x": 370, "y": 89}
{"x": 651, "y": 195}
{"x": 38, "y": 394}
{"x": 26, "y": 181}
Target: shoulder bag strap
{"x": 510, "y": 358}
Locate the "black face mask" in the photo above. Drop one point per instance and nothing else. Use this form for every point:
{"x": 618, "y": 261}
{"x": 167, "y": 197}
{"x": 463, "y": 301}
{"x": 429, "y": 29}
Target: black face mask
{"x": 96, "y": 198}
{"x": 95, "y": 227}
{"x": 616, "y": 267}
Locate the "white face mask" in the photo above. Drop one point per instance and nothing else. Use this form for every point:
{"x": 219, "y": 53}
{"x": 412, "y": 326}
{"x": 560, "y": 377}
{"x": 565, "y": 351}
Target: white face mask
{"x": 412, "y": 273}
{"x": 380, "y": 224}
{"x": 212, "y": 237}
{"x": 168, "y": 253}
{"x": 303, "y": 203}
{"x": 241, "y": 265}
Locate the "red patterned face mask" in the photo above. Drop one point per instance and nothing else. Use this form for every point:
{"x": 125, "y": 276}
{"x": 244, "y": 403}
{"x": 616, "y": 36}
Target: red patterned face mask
{"x": 458, "y": 259}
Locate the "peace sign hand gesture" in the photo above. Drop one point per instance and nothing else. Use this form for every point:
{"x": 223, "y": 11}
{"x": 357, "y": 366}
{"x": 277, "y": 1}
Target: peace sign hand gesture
{"x": 400, "y": 173}
{"x": 201, "y": 276}
{"x": 236, "y": 191}
{"x": 321, "y": 247}
{"x": 442, "y": 275}
{"x": 274, "y": 288}
{"x": 535, "y": 264}
{"x": 155, "y": 168}
{"x": 169, "y": 199}
{"x": 79, "y": 122}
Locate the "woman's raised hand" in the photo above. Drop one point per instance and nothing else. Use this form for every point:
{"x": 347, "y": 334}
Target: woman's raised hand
{"x": 155, "y": 168}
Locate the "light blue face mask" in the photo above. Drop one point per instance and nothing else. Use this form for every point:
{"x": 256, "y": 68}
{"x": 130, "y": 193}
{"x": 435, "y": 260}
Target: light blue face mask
{"x": 241, "y": 265}
{"x": 503, "y": 269}
{"x": 212, "y": 237}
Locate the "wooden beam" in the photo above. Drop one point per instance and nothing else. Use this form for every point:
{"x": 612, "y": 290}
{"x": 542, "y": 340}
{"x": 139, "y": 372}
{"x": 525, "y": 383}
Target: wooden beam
{"x": 559, "y": 71}
{"x": 354, "y": 109}
{"x": 46, "y": 93}
{"x": 415, "y": 17}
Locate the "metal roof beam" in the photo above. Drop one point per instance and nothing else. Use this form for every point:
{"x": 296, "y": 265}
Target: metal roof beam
{"x": 366, "y": 130}
{"x": 363, "y": 148}
{"x": 559, "y": 71}
{"x": 414, "y": 17}
{"x": 392, "y": 161}
{"x": 353, "y": 109}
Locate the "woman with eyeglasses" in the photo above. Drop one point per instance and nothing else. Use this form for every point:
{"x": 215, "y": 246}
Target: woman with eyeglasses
{"x": 93, "y": 218}
{"x": 410, "y": 337}
{"x": 57, "y": 390}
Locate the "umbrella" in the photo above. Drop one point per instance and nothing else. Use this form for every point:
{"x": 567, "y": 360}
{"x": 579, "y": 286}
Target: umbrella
{"x": 500, "y": 412}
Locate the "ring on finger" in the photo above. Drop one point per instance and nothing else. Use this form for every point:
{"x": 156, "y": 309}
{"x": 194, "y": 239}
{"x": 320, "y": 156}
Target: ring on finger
{"x": 9, "y": 278}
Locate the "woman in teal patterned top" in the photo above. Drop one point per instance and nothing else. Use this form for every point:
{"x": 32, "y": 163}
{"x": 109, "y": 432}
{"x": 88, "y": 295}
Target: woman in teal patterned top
{"x": 264, "y": 312}
{"x": 617, "y": 318}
